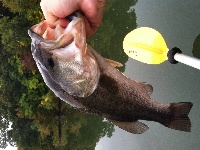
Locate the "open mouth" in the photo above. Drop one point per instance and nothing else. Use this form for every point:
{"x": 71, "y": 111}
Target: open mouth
{"x": 46, "y": 32}
{"x": 58, "y": 37}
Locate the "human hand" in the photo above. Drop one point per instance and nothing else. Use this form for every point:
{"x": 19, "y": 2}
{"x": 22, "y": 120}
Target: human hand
{"x": 56, "y": 11}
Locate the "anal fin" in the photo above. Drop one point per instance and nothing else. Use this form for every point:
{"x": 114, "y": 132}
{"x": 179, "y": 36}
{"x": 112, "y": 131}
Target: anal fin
{"x": 132, "y": 127}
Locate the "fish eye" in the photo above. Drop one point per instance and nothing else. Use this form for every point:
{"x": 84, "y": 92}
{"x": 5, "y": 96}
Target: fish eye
{"x": 49, "y": 64}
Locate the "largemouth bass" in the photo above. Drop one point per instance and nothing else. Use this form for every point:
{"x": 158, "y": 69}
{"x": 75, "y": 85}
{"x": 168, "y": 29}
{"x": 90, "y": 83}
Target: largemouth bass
{"x": 78, "y": 75}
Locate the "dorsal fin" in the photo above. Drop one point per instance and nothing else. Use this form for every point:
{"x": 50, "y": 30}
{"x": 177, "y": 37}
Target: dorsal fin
{"x": 147, "y": 87}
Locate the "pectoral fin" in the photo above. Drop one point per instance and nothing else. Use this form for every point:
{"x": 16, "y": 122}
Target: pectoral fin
{"x": 114, "y": 63}
{"x": 147, "y": 87}
{"x": 132, "y": 127}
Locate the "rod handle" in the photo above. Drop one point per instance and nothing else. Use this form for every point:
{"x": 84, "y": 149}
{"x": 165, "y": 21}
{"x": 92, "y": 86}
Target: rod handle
{"x": 175, "y": 55}
{"x": 190, "y": 61}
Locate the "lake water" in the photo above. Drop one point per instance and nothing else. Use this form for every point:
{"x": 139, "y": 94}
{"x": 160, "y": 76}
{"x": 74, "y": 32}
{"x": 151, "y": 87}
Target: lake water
{"x": 179, "y": 23}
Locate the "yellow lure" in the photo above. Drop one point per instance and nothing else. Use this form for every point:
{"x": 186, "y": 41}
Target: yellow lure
{"x": 145, "y": 45}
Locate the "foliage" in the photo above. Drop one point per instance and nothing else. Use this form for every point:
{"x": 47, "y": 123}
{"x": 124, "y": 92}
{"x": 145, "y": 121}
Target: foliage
{"x": 29, "y": 9}
{"x": 14, "y": 38}
{"x": 4, "y": 124}
{"x": 5, "y": 11}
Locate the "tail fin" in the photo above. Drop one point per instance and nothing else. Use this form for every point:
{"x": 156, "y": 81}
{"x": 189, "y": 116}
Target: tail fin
{"x": 180, "y": 120}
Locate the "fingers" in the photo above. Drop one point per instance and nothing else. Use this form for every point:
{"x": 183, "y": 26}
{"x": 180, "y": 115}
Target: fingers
{"x": 55, "y": 12}
{"x": 46, "y": 8}
{"x": 93, "y": 13}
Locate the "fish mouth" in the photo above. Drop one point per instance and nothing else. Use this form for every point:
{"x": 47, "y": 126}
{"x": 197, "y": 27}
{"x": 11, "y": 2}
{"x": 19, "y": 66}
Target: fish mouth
{"x": 58, "y": 37}
{"x": 44, "y": 30}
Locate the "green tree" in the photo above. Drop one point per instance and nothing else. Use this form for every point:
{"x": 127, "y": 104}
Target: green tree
{"x": 29, "y": 9}
{"x": 5, "y": 11}
{"x": 26, "y": 137}
{"x": 14, "y": 36}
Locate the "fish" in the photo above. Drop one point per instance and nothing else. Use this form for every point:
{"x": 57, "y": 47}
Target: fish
{"x": 66, "y": 57}
{"x": 90, "y": 83}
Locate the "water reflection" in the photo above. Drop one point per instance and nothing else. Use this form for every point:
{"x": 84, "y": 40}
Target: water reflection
{"x": 196, "y": 47}
{"x": 116, "y": 24}
{"x": 178, "y": 21}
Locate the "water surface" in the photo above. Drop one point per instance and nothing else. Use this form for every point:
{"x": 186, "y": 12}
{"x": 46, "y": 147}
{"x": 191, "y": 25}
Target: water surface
{"x": 179, "y": 23}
